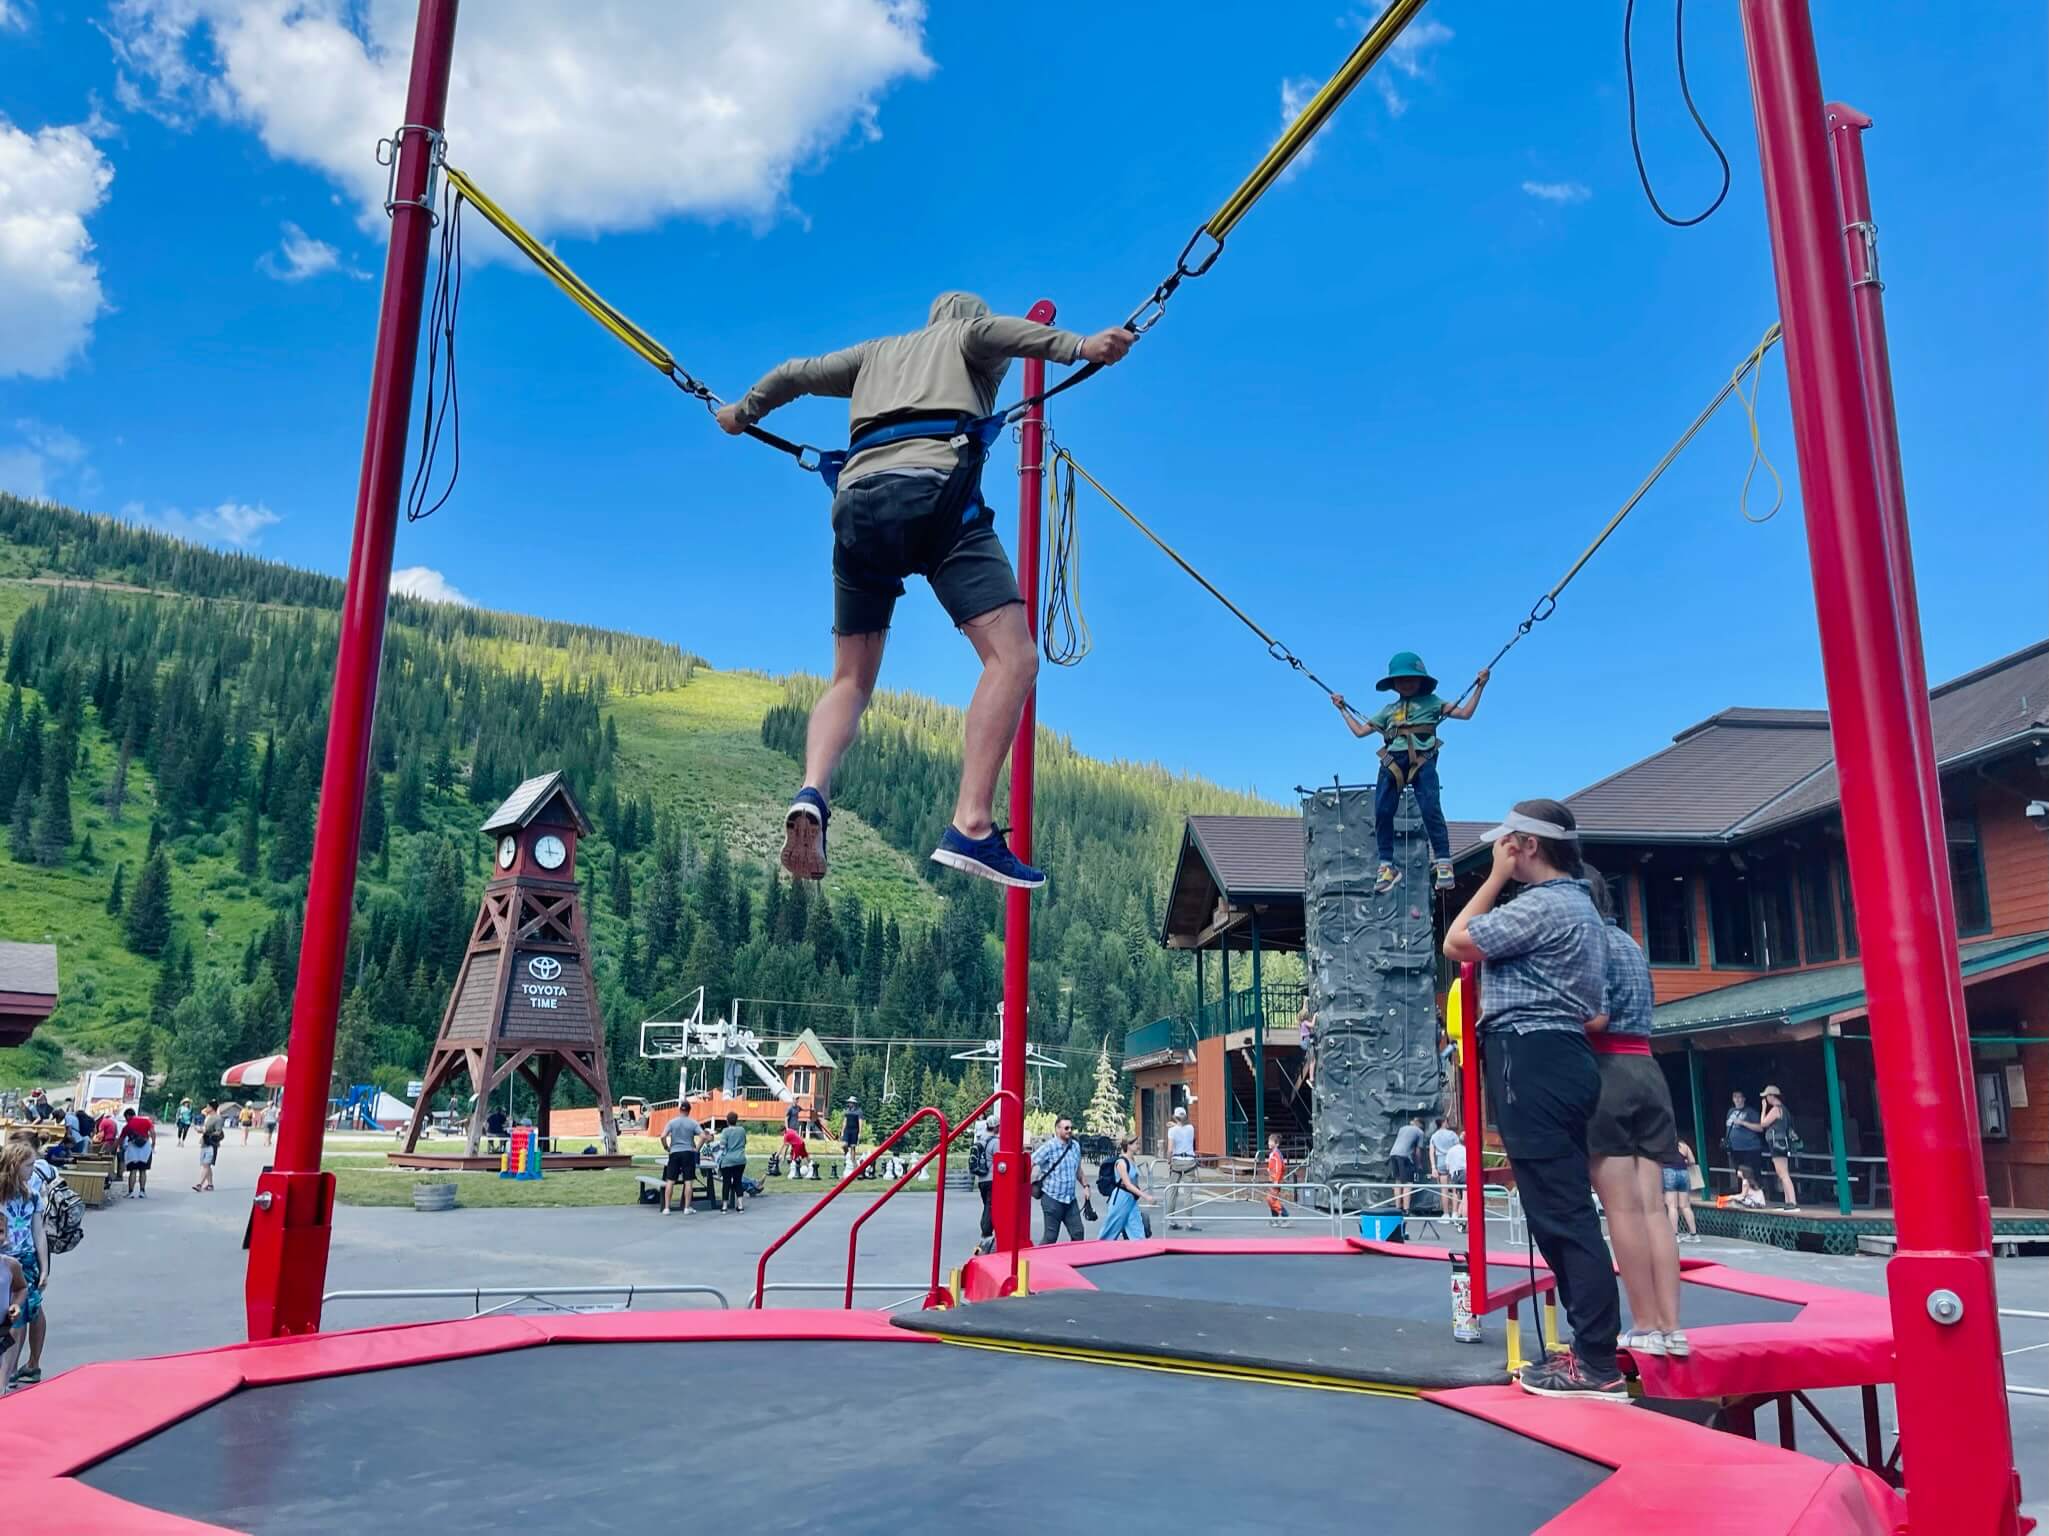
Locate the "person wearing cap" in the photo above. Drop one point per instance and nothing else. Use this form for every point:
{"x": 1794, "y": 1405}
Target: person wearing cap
{"x": 1408, "y": 759}
{"x": 850, "y": 1133}
{"x": 1776, "y": 1126}
{"x": 1631, "y": 1138}
{"x": 1545, "y": 977}
{"x": 1181, "y": 1167}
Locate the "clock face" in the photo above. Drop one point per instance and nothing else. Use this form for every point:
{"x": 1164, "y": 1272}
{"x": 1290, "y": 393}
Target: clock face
{"x": 550, "y": 852}
{"x": 508, "y": 850}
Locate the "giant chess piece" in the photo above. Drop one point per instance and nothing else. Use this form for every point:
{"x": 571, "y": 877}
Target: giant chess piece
{"x": 1372, "y": 962}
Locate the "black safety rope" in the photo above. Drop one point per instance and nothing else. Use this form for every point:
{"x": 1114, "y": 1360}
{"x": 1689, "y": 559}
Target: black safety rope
{"x": 1686, "y": 94}
{"x": 442, "y": 407}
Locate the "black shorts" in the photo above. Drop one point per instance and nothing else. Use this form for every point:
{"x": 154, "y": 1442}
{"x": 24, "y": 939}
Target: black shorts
{"x": 891, "y": 525}
{"x": 1404, "y": 1168}
{"x": 681, "y": 1167}
{"x": 1543, "y": 1087}
{"x": 1634, "y": 1117}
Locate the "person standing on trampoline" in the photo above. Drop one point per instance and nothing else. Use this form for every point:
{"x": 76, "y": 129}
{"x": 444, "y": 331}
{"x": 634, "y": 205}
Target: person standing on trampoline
{"x": 1632, "y": 1136}
{"x": 1545, "y": 977}
{"x": 909, "y": 502}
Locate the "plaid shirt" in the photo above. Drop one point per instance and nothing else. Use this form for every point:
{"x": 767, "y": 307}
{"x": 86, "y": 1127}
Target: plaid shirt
{"x": 1546, "y": 962}
{"x": 1629, "y": 986}
{"x": 1059, "y": 1164}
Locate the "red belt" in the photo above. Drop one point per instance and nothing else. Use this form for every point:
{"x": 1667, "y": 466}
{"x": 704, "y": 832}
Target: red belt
{"x": 1605, "y": 1044}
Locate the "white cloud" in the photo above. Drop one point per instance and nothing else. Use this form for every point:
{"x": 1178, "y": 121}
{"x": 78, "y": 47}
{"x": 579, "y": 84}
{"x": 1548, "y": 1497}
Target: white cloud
{"x": 610, "y": 114}
{"x": 50, "y": 182}
{"x": 1405, "y": 56}
{"x": 43, "y": 456}
{"x": 427, "y": 584}
{"x": 232, "y": 522}
{"x": 298, "y": 256}
{"x": 14, "y": 14}
{"x": 1296, "y": 92}
{"x": 1559, "y": 191}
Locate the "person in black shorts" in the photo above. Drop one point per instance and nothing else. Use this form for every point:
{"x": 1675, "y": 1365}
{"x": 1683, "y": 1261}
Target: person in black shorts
{"x": 680, "y": 1136}
{"x": 908, "y": 502}
{"x": 1630, "y": 1137}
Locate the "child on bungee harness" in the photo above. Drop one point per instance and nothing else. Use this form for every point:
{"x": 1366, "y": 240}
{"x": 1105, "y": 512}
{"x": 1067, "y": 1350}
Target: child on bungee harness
{"x": 1408, "y": 759}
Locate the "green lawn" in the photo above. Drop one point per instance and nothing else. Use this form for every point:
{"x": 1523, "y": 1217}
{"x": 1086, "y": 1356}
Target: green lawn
{"x": 699, "y": 748}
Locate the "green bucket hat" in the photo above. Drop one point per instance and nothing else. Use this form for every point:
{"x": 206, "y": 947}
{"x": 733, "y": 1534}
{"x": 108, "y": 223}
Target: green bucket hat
{"x": 1407, "y": 664}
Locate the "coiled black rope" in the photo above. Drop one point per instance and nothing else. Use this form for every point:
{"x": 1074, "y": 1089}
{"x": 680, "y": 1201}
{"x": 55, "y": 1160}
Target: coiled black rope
{"x": 1686, "y": 94}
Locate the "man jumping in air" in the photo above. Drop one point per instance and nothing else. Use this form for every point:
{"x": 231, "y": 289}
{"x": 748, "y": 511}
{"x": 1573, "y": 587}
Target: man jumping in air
{"x": 909, "y": 502}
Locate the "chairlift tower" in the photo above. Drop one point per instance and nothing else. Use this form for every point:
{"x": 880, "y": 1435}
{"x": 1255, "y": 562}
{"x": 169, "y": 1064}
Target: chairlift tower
{"x": 690, "y": 1039}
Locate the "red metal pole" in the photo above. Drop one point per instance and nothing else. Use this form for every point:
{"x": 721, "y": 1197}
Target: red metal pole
{"x": 1860, "y": 237}
{"x": 295, "y": 1202}
{"x": 1010, "y": 1213}
{"x": 1472, "y": 1101}
{"x": 1951, "y": 1384}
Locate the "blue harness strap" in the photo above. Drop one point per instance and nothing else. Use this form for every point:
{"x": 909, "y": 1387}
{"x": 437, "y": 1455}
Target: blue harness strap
{"x": 961, "y": 429}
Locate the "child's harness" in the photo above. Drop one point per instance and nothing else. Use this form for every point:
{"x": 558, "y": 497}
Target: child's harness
{"x": 1405, "y": 764}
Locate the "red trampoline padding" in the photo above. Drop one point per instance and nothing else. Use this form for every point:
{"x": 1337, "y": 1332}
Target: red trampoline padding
{"x": 59, "y": 1504}
{"x": 1056, "y": 1268}
{"x": 1840, "y": 1339}
{"x": 1668, "y": 1469}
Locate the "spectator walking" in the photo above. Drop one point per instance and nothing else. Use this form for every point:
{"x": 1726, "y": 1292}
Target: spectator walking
{"x": 1446, "y": 1145}
{"x": 24, "y": 1238}
{"x": 1744, "y": 1140}
{"x": 270, "y": 1123}
{"x": 1181, "y": 1168}
{"x": 184, "y": 1120}
{"x": 248, "y": 1118}
{"x": 680, "y": 1136}
{"x": 1677, "y": 1175}
{"x": 1122, "y": 1217}
{"x": 733, "y": 1165}
{"x": 1056, "y": 1171}
{"x": 1545, "y": 959}
{"x": 1781, "y": 1141}
{"x": 850, "y": 1135}
{"x": 1402, "y": 1159}
{"x": 138, "y": 1151}
{"x": 213, "y": 1130}
{"x": 982, "y": 1169}
{"x": 42, "y": 1176}
{"x": 1630, "y": 1137}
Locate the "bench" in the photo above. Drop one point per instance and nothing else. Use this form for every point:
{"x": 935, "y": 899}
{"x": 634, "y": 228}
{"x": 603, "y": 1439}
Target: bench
{"x": 89, "y": 1183}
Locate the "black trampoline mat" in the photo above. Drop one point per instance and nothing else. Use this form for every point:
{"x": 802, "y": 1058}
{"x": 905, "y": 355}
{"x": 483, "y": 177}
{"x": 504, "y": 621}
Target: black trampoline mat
{"x": 1371, "y": 1283}
{"x": 786, "y": 1435}
{"x": 1392, "y": 1351}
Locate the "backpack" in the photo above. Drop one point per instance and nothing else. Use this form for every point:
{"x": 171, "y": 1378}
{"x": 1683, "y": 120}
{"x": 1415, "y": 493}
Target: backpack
{"x": 978, "y": 1162}
{"x": 63, "y": 1217}
{"x": 1106, "y": 1178}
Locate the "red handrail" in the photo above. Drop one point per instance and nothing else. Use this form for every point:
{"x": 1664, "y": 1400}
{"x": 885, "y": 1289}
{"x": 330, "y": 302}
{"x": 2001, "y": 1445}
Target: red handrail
{"x": 761, "y": 1269}
{"x": 934, "y": 1295}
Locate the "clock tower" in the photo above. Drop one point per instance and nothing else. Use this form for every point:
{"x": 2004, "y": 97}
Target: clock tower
{"x": 524, "y": 999}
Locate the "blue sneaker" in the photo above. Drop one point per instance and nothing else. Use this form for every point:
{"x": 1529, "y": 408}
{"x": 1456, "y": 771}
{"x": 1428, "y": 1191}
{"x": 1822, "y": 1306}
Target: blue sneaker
{"x": 989, "y": 857}
{"x": 804, "y": 835}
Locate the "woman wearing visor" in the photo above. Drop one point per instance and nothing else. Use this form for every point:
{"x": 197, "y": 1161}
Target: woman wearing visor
{"x": 1546, "y": 976}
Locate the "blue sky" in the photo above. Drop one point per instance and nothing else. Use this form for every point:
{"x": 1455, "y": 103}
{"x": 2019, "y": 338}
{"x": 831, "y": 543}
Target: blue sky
{"x": 1428, "y": 365}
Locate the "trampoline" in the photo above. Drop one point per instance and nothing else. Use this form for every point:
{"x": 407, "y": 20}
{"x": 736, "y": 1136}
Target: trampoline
{"x": 563, "y": 1423}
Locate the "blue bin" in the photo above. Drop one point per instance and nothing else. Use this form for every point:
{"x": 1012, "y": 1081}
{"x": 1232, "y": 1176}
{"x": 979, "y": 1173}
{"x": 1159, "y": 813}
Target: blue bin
{"x": 1380, "y": 1226}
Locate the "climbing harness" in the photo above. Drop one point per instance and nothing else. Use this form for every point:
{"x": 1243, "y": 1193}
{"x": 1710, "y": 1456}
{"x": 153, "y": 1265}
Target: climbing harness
{"x": 1547, "y": 605}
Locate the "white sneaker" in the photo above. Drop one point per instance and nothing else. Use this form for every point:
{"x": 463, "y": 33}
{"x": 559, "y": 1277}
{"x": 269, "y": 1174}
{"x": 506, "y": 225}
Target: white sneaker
{"x": 1677, "y": 1345}
{"x": 1642, "y": 1341}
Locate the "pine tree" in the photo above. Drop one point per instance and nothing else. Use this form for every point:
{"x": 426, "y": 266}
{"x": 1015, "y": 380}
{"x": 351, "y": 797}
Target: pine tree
{"x": 52, "y": 837}
{"x": 621, "y": 892}
{"x": 148, "y": 927}
{"x": 441, "y": 772}
{"x": 88, "y": 856}
{"x": 117, "y": 785}
{"x": 1107, "y": 1113}
{"x": 375, "y": 831}
{"x": 21, "y": 836}
{"x": 248, "y": 846}
{"x": 172, "y": 983}
{"x": 715, "y": 890}
{"x": 266, "y": 773}
{"x": 291, "y": 848}
{"x": 115, "y": 897}
{"x": 406, "y": 809}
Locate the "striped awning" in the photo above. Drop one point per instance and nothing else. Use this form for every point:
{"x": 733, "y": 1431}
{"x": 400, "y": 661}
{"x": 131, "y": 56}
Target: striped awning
{"x": 264, "y": 1072}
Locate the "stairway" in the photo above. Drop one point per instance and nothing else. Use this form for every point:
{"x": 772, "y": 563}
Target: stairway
{"x": 1287, "y": 1104}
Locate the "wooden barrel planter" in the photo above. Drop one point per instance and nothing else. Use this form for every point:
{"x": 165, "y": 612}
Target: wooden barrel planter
{"x": 433, "y": 1197}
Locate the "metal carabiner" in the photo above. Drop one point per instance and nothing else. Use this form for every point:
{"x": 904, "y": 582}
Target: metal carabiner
{"x": 817, "y": 460}
{"x": 1181, "y": 266}
{"x": 1545, "y": 607}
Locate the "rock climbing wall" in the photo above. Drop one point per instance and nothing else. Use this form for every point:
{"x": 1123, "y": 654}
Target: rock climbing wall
{"x": 1372, "y": 964}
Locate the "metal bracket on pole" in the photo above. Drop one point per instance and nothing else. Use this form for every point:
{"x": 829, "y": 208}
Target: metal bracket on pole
{"x": 1866, "y": 234}
{"x": 388, "y": 152}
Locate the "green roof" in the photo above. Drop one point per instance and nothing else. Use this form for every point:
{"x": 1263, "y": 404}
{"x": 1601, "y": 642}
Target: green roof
{"x": 1799, "y": 997}
{"x": 819, "y": 1054}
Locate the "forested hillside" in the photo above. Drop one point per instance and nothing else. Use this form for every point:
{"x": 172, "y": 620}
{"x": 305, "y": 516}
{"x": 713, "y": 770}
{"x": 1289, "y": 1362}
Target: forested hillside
{"x": 161, "y": 739}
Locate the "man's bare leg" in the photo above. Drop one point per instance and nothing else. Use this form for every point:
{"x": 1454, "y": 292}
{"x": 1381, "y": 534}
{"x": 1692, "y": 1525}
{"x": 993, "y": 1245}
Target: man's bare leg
{"x": 1010, "y": 666}
{"x": 856, "y": 660}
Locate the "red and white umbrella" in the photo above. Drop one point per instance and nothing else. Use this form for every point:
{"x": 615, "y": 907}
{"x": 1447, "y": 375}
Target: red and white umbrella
{"x": 264, "y": 1072}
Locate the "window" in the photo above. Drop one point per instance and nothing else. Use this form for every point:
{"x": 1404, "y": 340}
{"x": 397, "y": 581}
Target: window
{"x": 1967, "y": 875}
{"x": 1667, "y": 914}
{"x": 1750, "y": 915}
{"x": 1618, "y": 895}
{"x": 1818, "y": 906}
{"x": 800, "y": 1080}
{"x": 1849, "y": 901}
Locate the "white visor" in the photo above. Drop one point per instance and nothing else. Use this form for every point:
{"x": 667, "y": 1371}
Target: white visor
{"x": 1516, "y": 821}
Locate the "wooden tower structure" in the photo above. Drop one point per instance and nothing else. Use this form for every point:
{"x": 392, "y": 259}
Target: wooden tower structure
{"x": 524, "y": 999}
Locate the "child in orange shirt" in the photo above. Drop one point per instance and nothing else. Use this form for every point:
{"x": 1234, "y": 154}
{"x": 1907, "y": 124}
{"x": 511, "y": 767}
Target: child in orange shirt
{"x": 1276, "y": 1170}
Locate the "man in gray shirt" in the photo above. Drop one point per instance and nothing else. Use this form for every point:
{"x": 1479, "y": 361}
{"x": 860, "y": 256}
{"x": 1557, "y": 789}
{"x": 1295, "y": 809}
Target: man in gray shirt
{"x": 680, "y": 1136}
{"x": 908, "y": 502}
{"x": 1403, "y": 1157}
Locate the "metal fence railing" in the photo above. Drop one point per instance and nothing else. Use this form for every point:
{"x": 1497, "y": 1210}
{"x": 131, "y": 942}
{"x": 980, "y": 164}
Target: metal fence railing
{"x": 531, "y": 1299}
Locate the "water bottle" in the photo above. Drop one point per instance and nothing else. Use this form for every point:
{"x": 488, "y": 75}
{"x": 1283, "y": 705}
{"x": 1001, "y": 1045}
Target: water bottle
{"x": 1464, "y": 1326}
